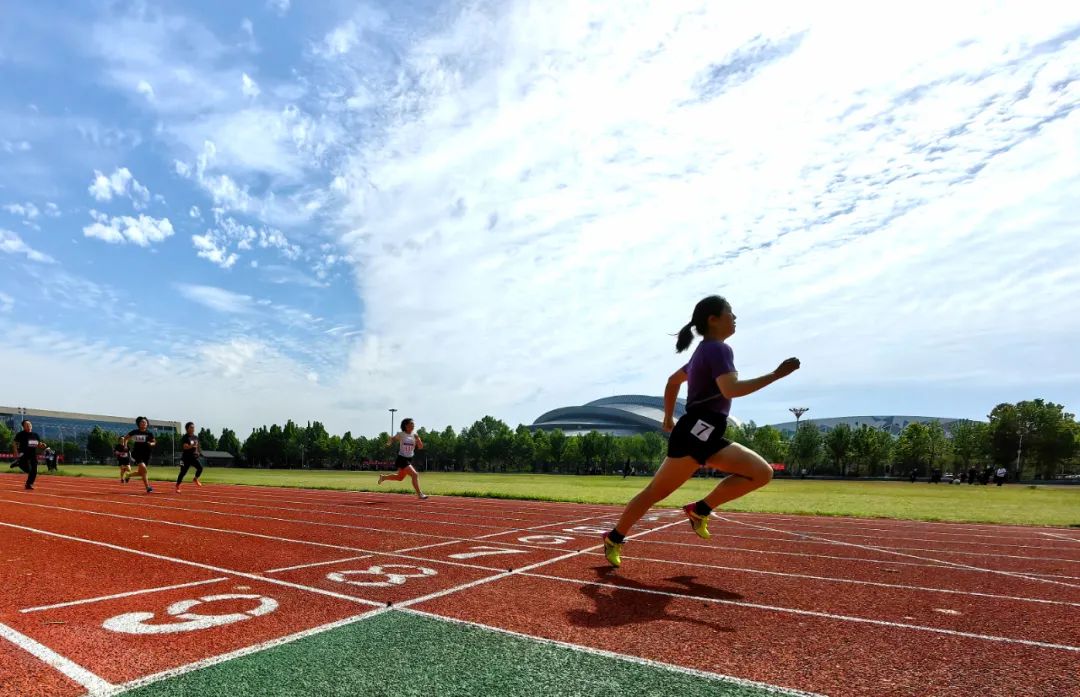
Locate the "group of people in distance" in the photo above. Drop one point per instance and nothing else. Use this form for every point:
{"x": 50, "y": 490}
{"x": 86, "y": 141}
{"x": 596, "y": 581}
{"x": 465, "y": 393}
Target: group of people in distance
{"x": 26, "y": 445}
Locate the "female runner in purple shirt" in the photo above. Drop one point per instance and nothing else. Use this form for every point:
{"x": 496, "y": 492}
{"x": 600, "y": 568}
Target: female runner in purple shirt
{"x": 698, "y": 438}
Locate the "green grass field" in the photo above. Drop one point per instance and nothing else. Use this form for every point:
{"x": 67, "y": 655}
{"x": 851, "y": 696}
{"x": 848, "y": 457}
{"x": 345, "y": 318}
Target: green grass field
{"x": 1014, "y": 504}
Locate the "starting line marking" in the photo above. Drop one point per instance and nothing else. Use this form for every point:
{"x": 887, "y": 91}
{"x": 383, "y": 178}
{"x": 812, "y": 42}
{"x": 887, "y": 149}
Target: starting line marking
{"x": 318, "y": 563}
{"x": 775, "y": 689}
{"x": 94, "y": 683}
{"x": 86, "y": 601}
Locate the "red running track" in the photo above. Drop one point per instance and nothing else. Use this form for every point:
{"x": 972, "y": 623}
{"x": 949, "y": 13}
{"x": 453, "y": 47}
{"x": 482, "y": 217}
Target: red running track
{"x": 835, "y": 606}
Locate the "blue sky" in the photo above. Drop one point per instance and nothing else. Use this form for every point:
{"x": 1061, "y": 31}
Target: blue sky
{"x": 244, "y": 212}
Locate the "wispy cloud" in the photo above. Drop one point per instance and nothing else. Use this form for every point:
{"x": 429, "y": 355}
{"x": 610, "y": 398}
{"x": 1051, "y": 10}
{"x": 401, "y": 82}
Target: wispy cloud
{"x": 7, "y": 303}
{"x": 217, "y": 298}
{"x": 24, "y": 210}
{"x": 279, "y": 6}
{"x": 11, "y": 243}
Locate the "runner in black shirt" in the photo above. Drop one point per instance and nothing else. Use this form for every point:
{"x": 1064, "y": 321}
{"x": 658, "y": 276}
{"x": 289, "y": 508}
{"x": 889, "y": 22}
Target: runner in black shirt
{"x": 143, "y": 441}
{"x": 25, "y": 447}
{"x": 123, "y": 460}
{"x": 190, "y": 456}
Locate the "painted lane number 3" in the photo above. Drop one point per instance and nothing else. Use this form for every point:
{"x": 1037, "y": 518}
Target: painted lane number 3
{"x": 181, "y": 619}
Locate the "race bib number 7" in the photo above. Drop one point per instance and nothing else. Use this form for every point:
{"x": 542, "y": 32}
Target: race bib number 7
{"x": 702, "y": 430}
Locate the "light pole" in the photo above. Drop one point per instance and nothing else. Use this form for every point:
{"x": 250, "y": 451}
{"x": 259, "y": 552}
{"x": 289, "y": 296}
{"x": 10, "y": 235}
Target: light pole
{"x": 392, "y": 412}
{"x": 798, "y": 412}
{"x": 1025, "y": 427}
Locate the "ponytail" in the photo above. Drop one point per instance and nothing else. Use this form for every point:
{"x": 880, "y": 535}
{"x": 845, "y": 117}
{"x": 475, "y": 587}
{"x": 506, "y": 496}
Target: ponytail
{"x": 708, "y": 307}
{"x": 686, "y": 337}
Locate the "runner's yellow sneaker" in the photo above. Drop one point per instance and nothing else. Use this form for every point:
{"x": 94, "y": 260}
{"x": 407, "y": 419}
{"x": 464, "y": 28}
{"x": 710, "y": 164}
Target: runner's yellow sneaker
{"x": 613, "y": 551}
{"x": 698, "y": 523}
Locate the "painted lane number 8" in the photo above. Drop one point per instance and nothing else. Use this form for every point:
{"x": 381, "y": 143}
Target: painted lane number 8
{"x": 702, "y": 430}
{"x": 390, "y": 575}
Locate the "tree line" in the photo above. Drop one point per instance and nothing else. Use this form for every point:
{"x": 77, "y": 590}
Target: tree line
{"x": 1043, "y": 433}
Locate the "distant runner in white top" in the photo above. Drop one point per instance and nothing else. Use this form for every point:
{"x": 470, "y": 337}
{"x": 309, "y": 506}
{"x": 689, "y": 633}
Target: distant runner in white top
{"x": 408, "y": 444}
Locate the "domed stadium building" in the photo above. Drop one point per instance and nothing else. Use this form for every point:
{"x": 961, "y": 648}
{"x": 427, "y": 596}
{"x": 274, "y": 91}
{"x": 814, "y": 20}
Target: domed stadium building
{"x": 622, "y": 415}
{"x": 627, "y": 415}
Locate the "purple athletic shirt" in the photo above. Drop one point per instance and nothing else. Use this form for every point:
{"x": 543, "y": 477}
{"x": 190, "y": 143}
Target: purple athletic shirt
{"x": 711, "y": 359}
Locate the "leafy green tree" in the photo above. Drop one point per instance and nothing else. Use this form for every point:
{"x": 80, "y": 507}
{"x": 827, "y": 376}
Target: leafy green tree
{"x": 872, "y": 448}
{"x": 769, "y": 443}
{"x": 913, "y": 449}
{"x": 100, "y": 443}
{"x": 229, "y": 442}
{"x": 523, "y": 449}
{"x": 6, "y": 436}
{"x": 207, "y": 439}
{"x": 805, "y": 446}
{"x": 971, "y": 443}
{"x": 838, "y": 443}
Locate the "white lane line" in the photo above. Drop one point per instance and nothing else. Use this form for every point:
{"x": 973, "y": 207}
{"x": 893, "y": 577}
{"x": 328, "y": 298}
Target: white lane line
{"x": 913, "y": 556}
{"x": 272, "y": 518}
{"x": 198, "y": 565}
{"x": 317, "y": 563}
{"x": 94, "y": 683}
{"x": 254, "y": 648}
{"x": 530, "y": 567}
{"x": 826, "y": 542}
{"x": 1061, "y": 537}
{"x": 346, "y": 498}
{"x": 812, "y": 613}
{"x": 241, "y": 533}
{"x": 720, "y": 677}
{"x": 87, "y": 601}
{"x": 832, "y": 579}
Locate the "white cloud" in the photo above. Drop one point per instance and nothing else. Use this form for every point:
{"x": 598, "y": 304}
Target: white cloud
{"x": 142, "y": 231}
{"x": 210, "y": 249}
{"x": 26, "y": 210}
{"x": 279, "y": 6}
{"x": 249, "y": 87}
{"x": 217, "y": 298}
{"x": 573, "y": 179}
{"x": 14, "y": 146}
{"x": 119, "y": 183}
{"x": 52, "y": 210}
{"x": 11, "y": 243}
{"x": 144, "y": 88}
{"x": 7, "y": 303}
{"x": 195, "y": 213}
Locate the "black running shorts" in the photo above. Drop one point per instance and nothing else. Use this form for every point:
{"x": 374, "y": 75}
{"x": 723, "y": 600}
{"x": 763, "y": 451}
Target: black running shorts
{"x": 699, "y": 435}
{"x": 402, "y": 462}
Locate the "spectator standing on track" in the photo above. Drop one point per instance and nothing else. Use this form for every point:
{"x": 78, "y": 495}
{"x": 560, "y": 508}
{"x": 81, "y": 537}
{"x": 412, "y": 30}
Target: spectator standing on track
{"x": 25, "y": 448}
{"x": 697, "y": 440}
{"x": 999, "y": 476}
{"x": 123, "y": 459}
{"x": 144, "y": 442}
{"x": 50, "y": 459}
{"x": 984, "y": 478}
{"x": 189, "y": 456}
{"x": 408, "y": 444}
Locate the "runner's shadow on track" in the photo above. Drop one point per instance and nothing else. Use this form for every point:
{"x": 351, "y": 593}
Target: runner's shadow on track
{"x": 628, "y": 605}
